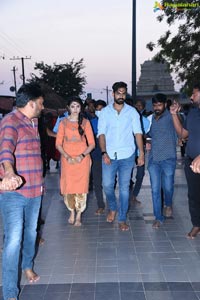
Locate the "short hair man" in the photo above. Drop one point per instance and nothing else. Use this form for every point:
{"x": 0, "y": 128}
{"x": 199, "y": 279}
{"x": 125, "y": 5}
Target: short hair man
{"x": 118, "y": 123}
{"x": 162, "y": 158}
{"x": 191, "y": 131}
{"x": 20, "y": 156}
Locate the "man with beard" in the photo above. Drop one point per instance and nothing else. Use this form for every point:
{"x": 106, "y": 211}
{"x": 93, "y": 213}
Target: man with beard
{"x": 162, "y": 158}
{"x": 191, "y": 130}
{"x": 20, "y": 157}
{"x": 118, "y": 123}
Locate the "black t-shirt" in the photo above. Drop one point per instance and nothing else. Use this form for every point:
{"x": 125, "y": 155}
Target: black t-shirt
{"x": 192, "y": 124}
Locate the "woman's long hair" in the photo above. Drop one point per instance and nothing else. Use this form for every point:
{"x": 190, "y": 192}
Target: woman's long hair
{"x": 80, "y": 116}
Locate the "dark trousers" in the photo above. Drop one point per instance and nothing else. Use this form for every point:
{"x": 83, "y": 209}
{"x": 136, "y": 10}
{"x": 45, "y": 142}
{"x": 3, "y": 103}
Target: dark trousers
{"x": 97, "y": 182}
{"x": 139, "y": 178}
{"x": 193, "y": 181}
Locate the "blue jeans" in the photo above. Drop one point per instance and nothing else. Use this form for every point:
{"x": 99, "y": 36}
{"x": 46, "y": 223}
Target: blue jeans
{"x": 122, "y": 167}
{"x": 20, "y": 216}
{"x": 161, "y": 176}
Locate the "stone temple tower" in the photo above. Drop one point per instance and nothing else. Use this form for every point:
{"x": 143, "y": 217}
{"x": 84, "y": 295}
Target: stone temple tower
{"x": 155, "y": 78}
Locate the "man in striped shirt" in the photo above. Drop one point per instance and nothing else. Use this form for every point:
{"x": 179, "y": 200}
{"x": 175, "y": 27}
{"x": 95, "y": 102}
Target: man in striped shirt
{"x": 20, "y": 156}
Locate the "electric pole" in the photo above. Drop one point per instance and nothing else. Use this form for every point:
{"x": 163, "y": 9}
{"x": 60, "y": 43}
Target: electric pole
{"x": 134, "y": 51}
{"x": 22, "y": 61}
{"x": 14, "y": 75}
{"x": 107, "y": 90}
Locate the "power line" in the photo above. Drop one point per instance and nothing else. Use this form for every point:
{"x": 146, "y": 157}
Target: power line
{"x": 22, "y": 61}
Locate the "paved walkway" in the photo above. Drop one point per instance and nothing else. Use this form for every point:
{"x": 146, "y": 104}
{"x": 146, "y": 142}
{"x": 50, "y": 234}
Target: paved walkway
{"x": 97, "y": 261}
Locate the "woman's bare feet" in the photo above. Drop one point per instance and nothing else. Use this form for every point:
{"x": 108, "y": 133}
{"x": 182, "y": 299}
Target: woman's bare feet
{"x": 78, "y": 220}
{"x": 71, "y": 218}
{"x": 193, "y": 233}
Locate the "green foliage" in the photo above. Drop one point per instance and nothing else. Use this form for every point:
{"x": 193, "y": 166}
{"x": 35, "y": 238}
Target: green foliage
{"x": 66, "y": 80}
{"x": 181, "y": 51}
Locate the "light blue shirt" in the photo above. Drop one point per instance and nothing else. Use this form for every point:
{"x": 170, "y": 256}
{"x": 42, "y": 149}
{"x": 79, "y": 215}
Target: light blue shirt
{"x": 119, "y": 130}
{"x": 59, "y": 119}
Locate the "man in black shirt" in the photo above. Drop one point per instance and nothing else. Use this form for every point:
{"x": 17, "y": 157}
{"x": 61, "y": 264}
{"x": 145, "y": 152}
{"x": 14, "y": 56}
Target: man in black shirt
{"x": 191, "y": 131}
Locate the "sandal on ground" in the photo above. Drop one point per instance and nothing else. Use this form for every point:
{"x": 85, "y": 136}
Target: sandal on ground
{"x": 193, "y": 233}
{"x": 123, "y": 226}
{"x": 31, "y": 276}
{"x": 100, "y": 211}
{"x": 111, "y": 216}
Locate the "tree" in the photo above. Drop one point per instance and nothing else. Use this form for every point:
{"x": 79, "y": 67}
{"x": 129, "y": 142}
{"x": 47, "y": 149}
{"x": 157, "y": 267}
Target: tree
{"x": 65, "y": 79}
{"x": 181, "y": 51}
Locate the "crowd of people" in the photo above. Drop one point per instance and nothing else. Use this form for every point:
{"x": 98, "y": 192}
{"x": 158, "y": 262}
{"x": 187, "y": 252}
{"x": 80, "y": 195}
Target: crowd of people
{"x": 96, "y": 143}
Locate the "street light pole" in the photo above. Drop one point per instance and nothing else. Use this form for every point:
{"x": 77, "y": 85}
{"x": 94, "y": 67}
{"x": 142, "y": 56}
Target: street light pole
{"x": 134, "y": 51}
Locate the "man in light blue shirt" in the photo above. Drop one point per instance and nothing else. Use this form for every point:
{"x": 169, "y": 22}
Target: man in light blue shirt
{"x": 117, "y": 126}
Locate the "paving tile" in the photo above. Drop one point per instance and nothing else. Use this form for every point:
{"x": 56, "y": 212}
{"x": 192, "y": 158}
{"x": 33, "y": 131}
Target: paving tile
{"x": 82, "y": 296}
{"x": 179, "y": 295}
{"x": 131, "y": 286}
{"x": 86, "y": 287}
{"x": 175, "y": 273}
{"x": 156, "y": 286}
{"x": 132, "y": 295}
{"x": 111, "y": 295}
{"x": 58, "y": 288}
{"x": 161, "y": 295}
{"x": 180, "y": 286}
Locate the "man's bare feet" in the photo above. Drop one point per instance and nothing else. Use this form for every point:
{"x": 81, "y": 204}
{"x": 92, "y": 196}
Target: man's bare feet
{"x": 31, "y": 276}
{"x": 71, "y": 218}
{"x": 193, "y": 233}
{"x": 100, "y": 211}
{"x": 111, "y": 216}
{"x": 168, "y": 211}
{"x": 123, "y": 226}
{"x": 156, "y": 224}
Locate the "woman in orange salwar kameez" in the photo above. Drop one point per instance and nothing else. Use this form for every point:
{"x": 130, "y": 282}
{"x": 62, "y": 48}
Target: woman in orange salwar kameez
{"x": 75, "y": 141}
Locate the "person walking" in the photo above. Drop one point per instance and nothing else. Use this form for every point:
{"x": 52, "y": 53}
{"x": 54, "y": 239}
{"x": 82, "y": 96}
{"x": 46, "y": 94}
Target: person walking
{"x": 75, "y": 141}
{"x": 96, "y": 169}
{"x": 191, "y": 131}
{"x": 140, "y": 172}
{"x": 162, "y": 158}
{"x": 117, "y": 126}
{"x": 20, "y": 157}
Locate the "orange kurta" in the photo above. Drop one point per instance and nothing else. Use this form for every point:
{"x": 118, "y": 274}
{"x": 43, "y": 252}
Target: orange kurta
{"x": 74, "y": 177}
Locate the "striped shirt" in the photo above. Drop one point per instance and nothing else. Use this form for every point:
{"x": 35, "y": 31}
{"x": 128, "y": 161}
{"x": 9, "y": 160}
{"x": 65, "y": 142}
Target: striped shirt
{"x": 20, "y": 145}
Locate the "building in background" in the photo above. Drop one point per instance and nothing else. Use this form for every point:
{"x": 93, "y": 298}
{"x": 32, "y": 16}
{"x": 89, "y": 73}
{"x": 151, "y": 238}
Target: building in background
{"x": 155, "y": 78}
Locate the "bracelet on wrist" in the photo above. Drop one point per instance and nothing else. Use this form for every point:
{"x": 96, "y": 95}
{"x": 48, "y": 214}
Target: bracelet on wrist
{"x": 83, "y": 155}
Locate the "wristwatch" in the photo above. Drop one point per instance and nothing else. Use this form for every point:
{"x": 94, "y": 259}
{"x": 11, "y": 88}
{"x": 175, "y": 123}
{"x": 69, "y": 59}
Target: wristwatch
{"x": 103, "y": 152}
